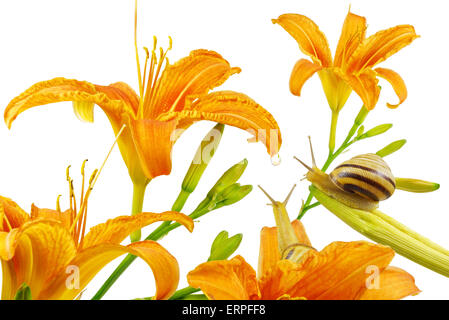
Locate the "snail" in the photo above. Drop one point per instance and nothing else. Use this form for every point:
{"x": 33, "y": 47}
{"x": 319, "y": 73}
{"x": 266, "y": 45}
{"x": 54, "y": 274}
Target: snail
{"x": 360, "y": 182}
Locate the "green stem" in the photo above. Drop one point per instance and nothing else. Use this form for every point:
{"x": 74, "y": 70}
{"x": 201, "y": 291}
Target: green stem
{"x": 333, "y": 131}
{"x": 180, "y": 201}
{"x": 182, "y": 293}
{"x": 333, "y": 155}
{"x": 138, "y": 196}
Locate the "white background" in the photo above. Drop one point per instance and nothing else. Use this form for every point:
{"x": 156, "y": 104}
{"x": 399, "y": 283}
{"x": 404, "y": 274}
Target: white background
{"x": 93, "y": 40}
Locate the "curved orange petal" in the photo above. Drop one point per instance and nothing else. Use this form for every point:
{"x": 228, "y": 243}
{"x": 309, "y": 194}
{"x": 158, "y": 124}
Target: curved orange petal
{"x": 40, "y": 249}
{"x": 352, "y": 34}
{"x": 234, "y": 109}
{"x": 13, "y": 213}
{"x": 153, "y": 141}
{"x": 110, "y": 99}
{"x": 365, "y": 85}
{"x": 340, "y": 271}
{"x": 380, "y": 46}
{"x": 311, "y": 40}
{"x": 118, "y": 101}
{"x": 90, "y": 261}
{"x": 394, "y": 284}
{"x": 396, "y": 82}
{"x": 194, "y": 75}
{"x": 231, "y": 279}
{"x": 301, "y": 72}
{"x": 116, "y": 230}
{"x": 269, "y": 253}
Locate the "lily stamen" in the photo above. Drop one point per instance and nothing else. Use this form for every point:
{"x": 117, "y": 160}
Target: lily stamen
{"x": 93, "y": 179}
{"x": 58, "y": 205}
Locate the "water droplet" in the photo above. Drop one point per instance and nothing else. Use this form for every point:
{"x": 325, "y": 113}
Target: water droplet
{"x": 276, "y": 160}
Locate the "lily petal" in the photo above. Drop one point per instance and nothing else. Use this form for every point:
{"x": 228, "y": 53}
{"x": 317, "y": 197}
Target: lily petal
{"x": 235, "y": 109}
{"x": 311, "y": 40}
{"x": 396, "y": 82}
{"x": 194, "y": 75}
{"x": 118, "y": 101}
{"x": 231, "y": 279}
{"x": 352, "y": 34}
{"x": 380, "y": 46}
{"x": 153, "y": 141}
{"x": 11, "y": 211}
{"x": 341, "y": 270}
{"x": 365, "y": 85}
{"x": 40, "y": 250}
{"x": 114, "y": 231}
{"x": 90, "y": 261}
{"x": 269, "y": 253}
{"x": 394, "y": 284}
{"x": 302, "y": 71}
{"x": 61, "y": 89}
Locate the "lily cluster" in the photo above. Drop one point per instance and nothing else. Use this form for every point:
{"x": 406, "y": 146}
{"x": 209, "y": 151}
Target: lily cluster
{"x": 47, "y": 253}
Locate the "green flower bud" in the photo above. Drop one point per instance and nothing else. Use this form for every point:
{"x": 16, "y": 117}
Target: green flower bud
{"x": 416, "y": 185}
{"x": 202, "y": 157}
{"x": 231, "y": 176}
{"x": 391, "y": 148}
{"x": 23, "y": 293}
{"x": 223, "y": 246}
{"x": 361, "y": 116}
{"x": 383, "y": 229}
{"x": 233, "y": 194}
{"x": 376, "y": 131}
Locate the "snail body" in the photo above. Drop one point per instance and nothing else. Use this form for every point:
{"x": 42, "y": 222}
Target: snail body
{"x": 360, "y": 182}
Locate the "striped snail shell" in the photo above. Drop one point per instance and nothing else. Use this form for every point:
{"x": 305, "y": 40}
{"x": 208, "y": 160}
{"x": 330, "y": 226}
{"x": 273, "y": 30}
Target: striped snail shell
{"x": 367, "y": 175}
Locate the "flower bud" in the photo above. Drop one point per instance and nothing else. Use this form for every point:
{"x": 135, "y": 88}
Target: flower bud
{"x": 391, "y": 148}
{"x": 383, "y": 229}
{"x": 376, "y": 131}
{"x": 23, "y": 293}
{"x": 223, "y": 246}
{"x": 228, "y": 178}
{"x": 202, "y": 157}
{"x": 416, "y": 185}
{"x": 361, "y": 116}
{"x": 234, "y": 193}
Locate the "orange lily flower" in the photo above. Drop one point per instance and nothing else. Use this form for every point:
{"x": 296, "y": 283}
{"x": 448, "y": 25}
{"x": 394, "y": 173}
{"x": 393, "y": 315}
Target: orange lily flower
{"x": 342, "y": 271}
{"x": 50, "y": 252}
{"x": 171, "y": 98}
{"x": 354, "y": 60}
